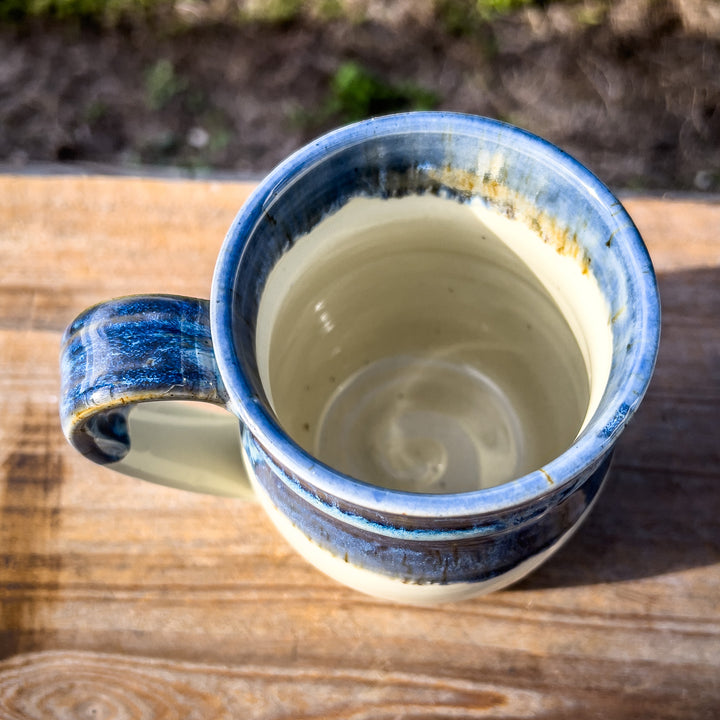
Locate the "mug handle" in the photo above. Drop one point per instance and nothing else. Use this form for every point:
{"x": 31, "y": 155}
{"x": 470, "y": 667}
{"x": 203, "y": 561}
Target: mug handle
{"x": 120, "y": 362}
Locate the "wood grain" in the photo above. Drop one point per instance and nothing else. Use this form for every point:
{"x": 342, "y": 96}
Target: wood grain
{"x": 119, "y": 599}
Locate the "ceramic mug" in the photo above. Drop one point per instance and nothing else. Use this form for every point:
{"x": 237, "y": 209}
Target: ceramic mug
{"x": 429, "y": 331}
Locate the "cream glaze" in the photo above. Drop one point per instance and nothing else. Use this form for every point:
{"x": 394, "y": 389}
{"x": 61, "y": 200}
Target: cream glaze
{"x": 432, "y": 346}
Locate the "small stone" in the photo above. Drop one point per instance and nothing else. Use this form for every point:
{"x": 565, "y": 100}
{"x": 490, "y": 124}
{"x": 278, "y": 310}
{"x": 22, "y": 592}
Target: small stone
{"x": 198, "y": 138}
{"x": 705, "y": 179}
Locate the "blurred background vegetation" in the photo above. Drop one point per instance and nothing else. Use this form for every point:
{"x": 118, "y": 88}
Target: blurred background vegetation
{"x": 630, "y": 87}
{"x": 112, "y": 11}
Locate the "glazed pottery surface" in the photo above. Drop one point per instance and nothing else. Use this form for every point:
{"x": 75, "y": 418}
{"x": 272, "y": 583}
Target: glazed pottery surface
{"x": 430, "y": 330}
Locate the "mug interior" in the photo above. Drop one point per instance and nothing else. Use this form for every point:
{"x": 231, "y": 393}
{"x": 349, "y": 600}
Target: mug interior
{"x": 313, "y": 289}
{"x": 429, "y": 345}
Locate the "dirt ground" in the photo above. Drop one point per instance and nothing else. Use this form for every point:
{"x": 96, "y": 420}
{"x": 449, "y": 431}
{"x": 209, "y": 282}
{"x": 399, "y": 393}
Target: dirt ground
{"x": 632, "y": 91}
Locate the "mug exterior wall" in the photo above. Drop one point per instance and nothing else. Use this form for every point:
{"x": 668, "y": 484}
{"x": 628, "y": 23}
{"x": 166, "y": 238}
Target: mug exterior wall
{"x": 400, "y": 556}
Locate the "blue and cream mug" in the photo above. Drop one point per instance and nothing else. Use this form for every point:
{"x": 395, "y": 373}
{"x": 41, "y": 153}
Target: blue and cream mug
{"x": 429, "y": 331}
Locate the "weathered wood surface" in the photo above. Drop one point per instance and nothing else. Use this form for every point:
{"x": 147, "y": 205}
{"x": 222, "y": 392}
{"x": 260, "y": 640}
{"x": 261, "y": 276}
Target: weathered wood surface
{"x": 120, "y": 599}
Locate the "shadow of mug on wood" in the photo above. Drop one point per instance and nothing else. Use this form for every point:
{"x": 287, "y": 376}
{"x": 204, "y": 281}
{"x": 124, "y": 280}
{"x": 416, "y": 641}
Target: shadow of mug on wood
{"x": 429, "y": 331}
{"x": 658, "y": 512}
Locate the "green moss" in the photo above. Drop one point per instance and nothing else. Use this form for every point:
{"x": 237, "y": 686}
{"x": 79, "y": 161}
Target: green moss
{"x": 162, "y": 84}
{"x": 329, "y": 10}
{"x": 493, "y": 8}
{"x": 272, "y": 11}
{"x": 105, "y": 11}
{"x": 466, "y": 17}
{"x": 356, "y": 93}
{"x": 457, "y": 16}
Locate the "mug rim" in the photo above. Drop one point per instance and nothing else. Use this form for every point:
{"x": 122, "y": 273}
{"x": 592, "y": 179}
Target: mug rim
{"x": 587, "y": 450}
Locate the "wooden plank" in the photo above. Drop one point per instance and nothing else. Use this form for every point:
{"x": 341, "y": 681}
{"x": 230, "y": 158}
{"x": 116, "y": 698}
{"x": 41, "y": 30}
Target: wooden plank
{"x": 123, "y": 599}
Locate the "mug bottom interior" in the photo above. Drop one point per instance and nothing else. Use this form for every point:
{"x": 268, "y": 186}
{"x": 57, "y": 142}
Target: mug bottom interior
{"x": 422, "y": 424}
